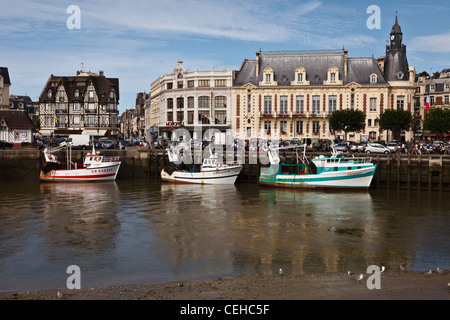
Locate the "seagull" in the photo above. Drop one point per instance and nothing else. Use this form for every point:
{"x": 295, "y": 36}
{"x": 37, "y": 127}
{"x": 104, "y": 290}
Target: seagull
{"x": 382, "y": 269}
{"x": 59, "y": 294}
{"x": 280, "y": 272}
{"x": 429, "y": 272}
{"x": 440, "y": 271}
{"x": 350, "y": 273}
{"x": 402, "y": 268}
{"x": 360, "y": 277}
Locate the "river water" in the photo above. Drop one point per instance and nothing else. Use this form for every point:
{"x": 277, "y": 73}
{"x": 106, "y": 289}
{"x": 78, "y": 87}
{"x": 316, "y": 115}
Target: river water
{"x": 145, "y": 231}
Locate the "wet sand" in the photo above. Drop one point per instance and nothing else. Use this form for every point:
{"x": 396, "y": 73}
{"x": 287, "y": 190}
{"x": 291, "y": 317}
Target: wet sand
{"x": 394, "y": 286}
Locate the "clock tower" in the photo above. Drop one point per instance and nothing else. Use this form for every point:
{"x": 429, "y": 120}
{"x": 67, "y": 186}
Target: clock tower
{"x": 396, "y": 64}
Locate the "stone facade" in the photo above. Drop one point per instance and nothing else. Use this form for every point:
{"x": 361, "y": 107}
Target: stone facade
{"x": 4, "y": 88}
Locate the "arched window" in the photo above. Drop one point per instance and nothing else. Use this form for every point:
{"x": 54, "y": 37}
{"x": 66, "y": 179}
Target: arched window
{"x": 373, "y": 78}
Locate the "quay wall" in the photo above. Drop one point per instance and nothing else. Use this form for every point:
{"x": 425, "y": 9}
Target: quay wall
{"x": 394, "y": 171}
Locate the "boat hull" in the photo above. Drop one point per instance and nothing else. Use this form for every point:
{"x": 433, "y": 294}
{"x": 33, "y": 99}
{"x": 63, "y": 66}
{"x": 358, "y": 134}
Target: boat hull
{"x": 104, "y": 173}
{"x": 220, "y": 176}
{"x": 359, "y": 179}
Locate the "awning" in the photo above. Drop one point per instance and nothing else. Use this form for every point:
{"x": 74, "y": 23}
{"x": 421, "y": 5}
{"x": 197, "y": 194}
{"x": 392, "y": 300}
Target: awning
{"x": 96, "y": 133}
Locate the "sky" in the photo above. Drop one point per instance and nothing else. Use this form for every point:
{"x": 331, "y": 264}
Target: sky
{"x": 139, "y": 41}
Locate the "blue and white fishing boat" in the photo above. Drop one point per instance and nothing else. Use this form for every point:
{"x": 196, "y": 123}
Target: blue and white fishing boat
{"x": 334, "y": 172}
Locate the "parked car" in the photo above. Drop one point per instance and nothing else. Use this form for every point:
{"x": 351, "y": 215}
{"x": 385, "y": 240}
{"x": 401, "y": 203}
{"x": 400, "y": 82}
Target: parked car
{"x": 357, "y": 147}
{"x": 5, "y": 144}
{"x": 391, "y": 146}
{"x": 295, "y": 142}
{"x": 341, "y": 146}
{"x": 376, "y": 148}
{"x": 97, "y": 144}
{"x": 107, "y": 144}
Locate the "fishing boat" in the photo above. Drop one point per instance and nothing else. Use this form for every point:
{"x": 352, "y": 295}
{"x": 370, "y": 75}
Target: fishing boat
{"x": 95, "y": 167}
{"x": 212, "y": 171}
{"x": 334, "y": 172}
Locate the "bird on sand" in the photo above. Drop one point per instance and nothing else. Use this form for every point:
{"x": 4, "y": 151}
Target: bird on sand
{"x": 59, "y": 294}
{"x": 280, "y": 272}
{"x": 382, "y": 269}
{"x": 402, "y": 268}
{"x": 429, "y": 272}
{"x": 440, "y": 271}
{"x": 350, "y": 273}
{"x": 360, "y": 277}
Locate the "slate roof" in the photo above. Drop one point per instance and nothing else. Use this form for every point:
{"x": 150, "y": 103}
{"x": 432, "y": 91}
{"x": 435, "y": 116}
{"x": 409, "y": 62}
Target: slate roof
{"x": 5, "y": 74}
{"x": 316, "y": 65}
{"x": 16, "y": 119}
{"x": 101, "y": 84}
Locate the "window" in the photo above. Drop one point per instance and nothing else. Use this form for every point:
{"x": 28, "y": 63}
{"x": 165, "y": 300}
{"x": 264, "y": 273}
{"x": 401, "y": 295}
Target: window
{"x": 249, "y": 103}
{"x": 446, "y": 100}
{"x": 316, "y": 126}
{"x": 111, "y": 95}
{"x": 332, "y": 102}
{"x": 333, "y": 76}
{"x": 170, "y": 103}
{"x": 220, "y": 102}
{"x": 76, "y": 120}
{"x": 49, "y": 93}
{"x": 180, "y": 103}
{"x": 91, "y": 121}
{"x": 169, "y": 86}
{"x": 190, "y": 102}
{"x": 221, "y": 83}
{"x": 267, "y": 77}
{"x": 369, "y": 122}
{"x": 283, "y": 126}
{"x": 284, "y": 104}
{"x": 170, "y": 116}
{"x": 91, "y": 96}
{"x": 190, "y": 117}
{"x": 299, "y": 127}
{"x": 268, "y": 126}
{"x": 316, "y": 105}
{"x": 203, "y": 102}
{"x": 267, "y": 104}
{"x": 447, "y": 86}
{"x": 220, "y": 117}
{"x": 203, "y": 83}
{"x": 180, "y": 116}
{"x": 203, "y": 117}
{"x": 431, "y": 100}
{"x": 432, "y": 87}
{"x": 190, "y": 83}
{"x": 299, "y": 104}
{"x": 372, "y": 135}
{"x": 352, "y": 101}
{"x": 373, "y": 104}
{"x": 400, "y": 102}
{"x": 373, "y": 78}
{"x": 76, "y": 94}
{"x": 300, "y": 77}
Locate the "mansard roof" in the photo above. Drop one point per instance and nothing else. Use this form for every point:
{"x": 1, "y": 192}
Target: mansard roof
{"x": 316, "y": 65}
{"x": 5, "y": 74}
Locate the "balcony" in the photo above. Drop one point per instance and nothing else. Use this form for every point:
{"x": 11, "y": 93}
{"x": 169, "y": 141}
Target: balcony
{"x": 61, "y": 111}
{"x": 266, "y": 115}
{"x": 91, "y": 111}
{"x": 283, "y": 115}
{"x": 299, "y": 115}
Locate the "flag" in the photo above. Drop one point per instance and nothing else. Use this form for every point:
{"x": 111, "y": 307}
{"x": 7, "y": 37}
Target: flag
{"x": 427, "y": 102}
{"x": 56, "y": 120}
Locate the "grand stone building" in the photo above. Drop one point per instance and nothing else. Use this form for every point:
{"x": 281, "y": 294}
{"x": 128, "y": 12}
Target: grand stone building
{"x": 190, "y": 99}
{"x": 86, "y": 103}
{"x": 292, "y": 94}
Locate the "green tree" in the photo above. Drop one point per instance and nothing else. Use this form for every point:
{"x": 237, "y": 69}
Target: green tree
{"x": 396, "y": 120}
{"x": 348, "y": 120}
{"x": 437, "y": 120}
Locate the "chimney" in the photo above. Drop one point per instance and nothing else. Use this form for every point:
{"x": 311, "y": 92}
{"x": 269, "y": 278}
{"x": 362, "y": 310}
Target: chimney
{"x": 345, "y": 62}
{"x": 100, "y": 73}
{"x": 380, "y": 62}
{"x": 257, "y": 63}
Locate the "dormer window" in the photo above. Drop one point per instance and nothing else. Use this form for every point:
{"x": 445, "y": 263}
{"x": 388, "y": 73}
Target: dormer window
{"x": 268, "y": 78}
{"x": 333, "y": 76}
{"x": 300, "y": 77}
{"x": 432, "y": 87}
{"x": 447, "y": 87}
{"x": 373, "y": 78}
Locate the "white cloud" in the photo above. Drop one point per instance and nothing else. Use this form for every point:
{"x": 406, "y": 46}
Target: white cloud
{"x": 439, "y": 43}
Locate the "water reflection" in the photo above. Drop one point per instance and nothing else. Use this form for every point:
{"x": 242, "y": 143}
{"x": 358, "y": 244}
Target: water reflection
{"x": 141, "y": 232}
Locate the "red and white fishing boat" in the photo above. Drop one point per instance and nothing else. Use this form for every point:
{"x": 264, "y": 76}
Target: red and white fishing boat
{"x": 95, "y": 167}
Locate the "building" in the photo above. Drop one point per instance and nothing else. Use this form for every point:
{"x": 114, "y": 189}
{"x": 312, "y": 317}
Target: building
{"x": 16, "y": 127}
{"x": 287, "y": 95}
{"x": 192, "y": 100}
{"x": 5, "y": 83}
{"x": 86, "y": 103}
{"x": 25, "y": 103}
{"x": 141, "y": 102}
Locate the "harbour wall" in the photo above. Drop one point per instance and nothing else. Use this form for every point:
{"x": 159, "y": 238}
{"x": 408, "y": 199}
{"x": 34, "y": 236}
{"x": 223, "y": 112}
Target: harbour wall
{"x": 394, "y": 171}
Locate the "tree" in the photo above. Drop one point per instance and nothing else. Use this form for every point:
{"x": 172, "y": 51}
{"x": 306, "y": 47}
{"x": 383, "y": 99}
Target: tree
{"x": 348, "y": 120}
{"x": 396, "y": 120}
{"x": 424, "y": 74}
{"x": 437, "y": 120}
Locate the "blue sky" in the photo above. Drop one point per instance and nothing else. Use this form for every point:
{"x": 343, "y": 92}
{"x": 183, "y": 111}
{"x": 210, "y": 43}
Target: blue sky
{"x": 138, "y": 41}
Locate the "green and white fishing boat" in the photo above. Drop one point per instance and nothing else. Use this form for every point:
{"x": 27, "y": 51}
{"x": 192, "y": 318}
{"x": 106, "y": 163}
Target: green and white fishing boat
{"x": 334, "y": 172}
